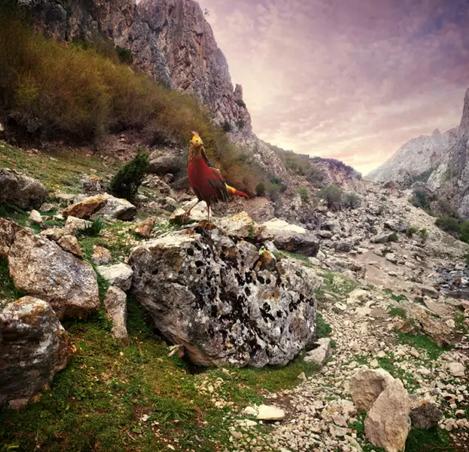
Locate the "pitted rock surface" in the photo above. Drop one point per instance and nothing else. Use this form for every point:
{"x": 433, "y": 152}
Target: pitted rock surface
{"x": 33, "y": 346}
{"x": 202, "y": 292}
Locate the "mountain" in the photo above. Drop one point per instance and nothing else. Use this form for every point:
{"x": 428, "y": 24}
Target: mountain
{"x": 440, "y": 161}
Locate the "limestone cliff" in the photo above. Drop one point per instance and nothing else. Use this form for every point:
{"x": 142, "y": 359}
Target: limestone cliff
{"x": 169, "y": 39}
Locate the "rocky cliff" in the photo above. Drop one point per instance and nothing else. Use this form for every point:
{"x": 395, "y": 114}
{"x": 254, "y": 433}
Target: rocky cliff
{"x": 169, "y": 39}
{"x": 440, "y": 161}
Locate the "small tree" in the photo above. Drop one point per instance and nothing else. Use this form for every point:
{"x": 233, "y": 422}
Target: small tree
{"x": 352, "y": 201}
{"x": 332, "y": 194}
{"x": 128, "y": 179}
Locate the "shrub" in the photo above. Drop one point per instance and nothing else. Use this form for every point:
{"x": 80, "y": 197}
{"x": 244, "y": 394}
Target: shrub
{"x": 94, "y": 229}
{"x": 351, "y": 201}
{"x": 332, "y": 194}
{"x": 449, "y": 224}
{"x": 128, "y": 179}
{"x": 304, "y": 194}
{"x": 464, "y": 231}
{"x": 423, "y": 233}
{"x": 260, "y": 189}
{"x": 420, "y": 198}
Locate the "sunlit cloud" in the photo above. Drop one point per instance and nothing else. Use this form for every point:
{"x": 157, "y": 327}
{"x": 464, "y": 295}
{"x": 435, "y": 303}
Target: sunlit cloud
{"x": 348, "y": 79}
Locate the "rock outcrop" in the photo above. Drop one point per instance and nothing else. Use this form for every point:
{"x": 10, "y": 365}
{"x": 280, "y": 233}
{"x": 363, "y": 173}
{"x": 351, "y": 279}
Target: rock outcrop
{"x": 41, "y": 268}
{"x": 33, "y": 346}
{"x": 205, "y": 292}
{"x": 20, "y": 190}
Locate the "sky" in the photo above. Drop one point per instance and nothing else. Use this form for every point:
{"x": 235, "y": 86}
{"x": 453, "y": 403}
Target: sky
{"x": 346, "y": 79}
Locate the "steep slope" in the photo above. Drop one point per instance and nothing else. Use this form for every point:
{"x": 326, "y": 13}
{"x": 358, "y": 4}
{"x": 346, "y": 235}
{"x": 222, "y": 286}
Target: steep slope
{"x": 168, "y": 39}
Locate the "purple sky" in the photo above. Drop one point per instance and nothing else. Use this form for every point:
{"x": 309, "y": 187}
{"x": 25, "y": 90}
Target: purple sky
{"x": 349, "y": 79}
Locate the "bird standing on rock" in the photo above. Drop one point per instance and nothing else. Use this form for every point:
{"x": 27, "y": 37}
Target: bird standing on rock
{"x": 207, "y": 182}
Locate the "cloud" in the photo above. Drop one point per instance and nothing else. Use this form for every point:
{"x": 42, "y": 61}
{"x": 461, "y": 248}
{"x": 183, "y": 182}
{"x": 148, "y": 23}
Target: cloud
{"x": 351, "y": 80}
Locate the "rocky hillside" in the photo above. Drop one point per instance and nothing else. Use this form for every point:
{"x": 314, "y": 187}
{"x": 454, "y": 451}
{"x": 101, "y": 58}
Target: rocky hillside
{"x": 439, "y": 161}
{"x": 111, "y": 305}
{"x": 168, "y": 39}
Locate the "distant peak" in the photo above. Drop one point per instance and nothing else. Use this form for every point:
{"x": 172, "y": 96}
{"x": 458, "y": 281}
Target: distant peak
{"x": 464, "y": 126}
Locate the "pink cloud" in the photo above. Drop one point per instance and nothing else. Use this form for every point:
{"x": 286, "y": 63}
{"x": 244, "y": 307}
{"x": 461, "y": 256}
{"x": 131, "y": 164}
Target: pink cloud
{"x": 351, "y": 80}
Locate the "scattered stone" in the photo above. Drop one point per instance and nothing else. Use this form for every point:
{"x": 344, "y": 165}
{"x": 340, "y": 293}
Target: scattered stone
{"x": 41, "y": 268}
{"x": 35, "y": 217}
{"x": 384, "y": 238}
{"x": 101, "y": 255}
{"x": 388, "y": 423}
{"x": 289, "y": 237}
{"x": 366, "y": 385}
{"x": 20, "y": 190}
{"x": 115, "y": 304}
{"x": 119, "y": 275}
{"x": 8, "y": 230}
{"x": 456, "y": 369}
{"x": 70, "y": 243}
{"x": 265, "y": 412}
{"x": 320, "y": 354}
{"x": 33, "y": 346}
{"x": 74, "y": 224}
{"x": 102, "y": 206}
{"x": 85, "y": 208}
{"x": 145, "y": 227}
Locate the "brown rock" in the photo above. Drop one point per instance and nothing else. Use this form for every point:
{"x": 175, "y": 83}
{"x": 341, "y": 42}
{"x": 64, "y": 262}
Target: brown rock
{"x": 86, "y": 207}
{"x": 70, "y": 243}
{"x": 42, "y": 268}
{"x": 366, "y": 385}
{"x": 388, "y": 423}
{"x": 101, "y": 255}
{"x": 145, "y": 227}
{"x": 425, "y": 414}
{"x": 33, "y": 346}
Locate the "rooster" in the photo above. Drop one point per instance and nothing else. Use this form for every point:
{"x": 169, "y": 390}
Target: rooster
{"x": 207, "y": 182}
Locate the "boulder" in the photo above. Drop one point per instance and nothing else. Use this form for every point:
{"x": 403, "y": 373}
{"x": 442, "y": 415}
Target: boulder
{"x": 86, "y": 207}
{"x": 204, "y": 292}
{"x": 119, "y": 275}
{"x": 33, "y": 346}
{"x": 265, "y": 412}
{"x": 115, "y": 304}
{"x": 116, "y": 208}
{"x": 320, "y": 354}
{"x": 40, "y": 267}
{"x": 166, "y": 161}
{"x": 384, "y": 238}
{"x": 20, "y": 190}
{"x": 388, "y": 423}
{"x": 101, "y": 206}
{"x": 289, "y": 237}
{"x": 366, "y": 385}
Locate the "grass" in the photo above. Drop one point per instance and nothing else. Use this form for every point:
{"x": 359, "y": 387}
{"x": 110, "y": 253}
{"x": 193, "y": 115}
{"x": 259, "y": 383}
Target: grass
{"x": 395, "y": 297}
{"x": 435, "y": 440}
{"x": 57, "y": 170}
{"x": 136, "y": 398}
{"x": 323, "y": 329}
{"x": 422, "y": 342}
{"x": 388, "y": 363}
{"x": 397, "y": 312}
{"x": 8, "y": 291}
{"x": 337, "y": 284}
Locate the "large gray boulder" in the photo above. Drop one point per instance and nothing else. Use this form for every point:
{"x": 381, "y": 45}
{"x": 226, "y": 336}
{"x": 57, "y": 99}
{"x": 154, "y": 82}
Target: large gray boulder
{"x": 210, "y": 293}
{"x": 33, "y": 348}
{"x": 21, "y": 190}
{"x": 40, "y": 267}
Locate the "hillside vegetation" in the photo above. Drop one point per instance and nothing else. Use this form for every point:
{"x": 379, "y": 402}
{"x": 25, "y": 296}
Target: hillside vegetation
{"x": 79, "y": 93}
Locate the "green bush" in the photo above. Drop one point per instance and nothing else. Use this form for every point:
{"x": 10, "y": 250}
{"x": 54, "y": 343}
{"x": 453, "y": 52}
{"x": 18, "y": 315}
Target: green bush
{"x": 464, "y": 231}
{"x": 260, "y": 189}
{"x": 351, "y": 201}
{"x": 304, "y": 194}
{"x": 420, "y": 198}
{"x": 94, "y": 229}
{"x": 449, "y": 224}
{"x": 333, "y": 196}
{"x": 128, "y": 179}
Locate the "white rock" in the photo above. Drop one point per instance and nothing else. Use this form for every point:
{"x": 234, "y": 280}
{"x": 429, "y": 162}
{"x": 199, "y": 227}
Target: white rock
{"x": 119, "y": 275}
{"x": 35, "y": 217}
{"x": 320, "y": 354}
{"x": 456, "y": 369}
